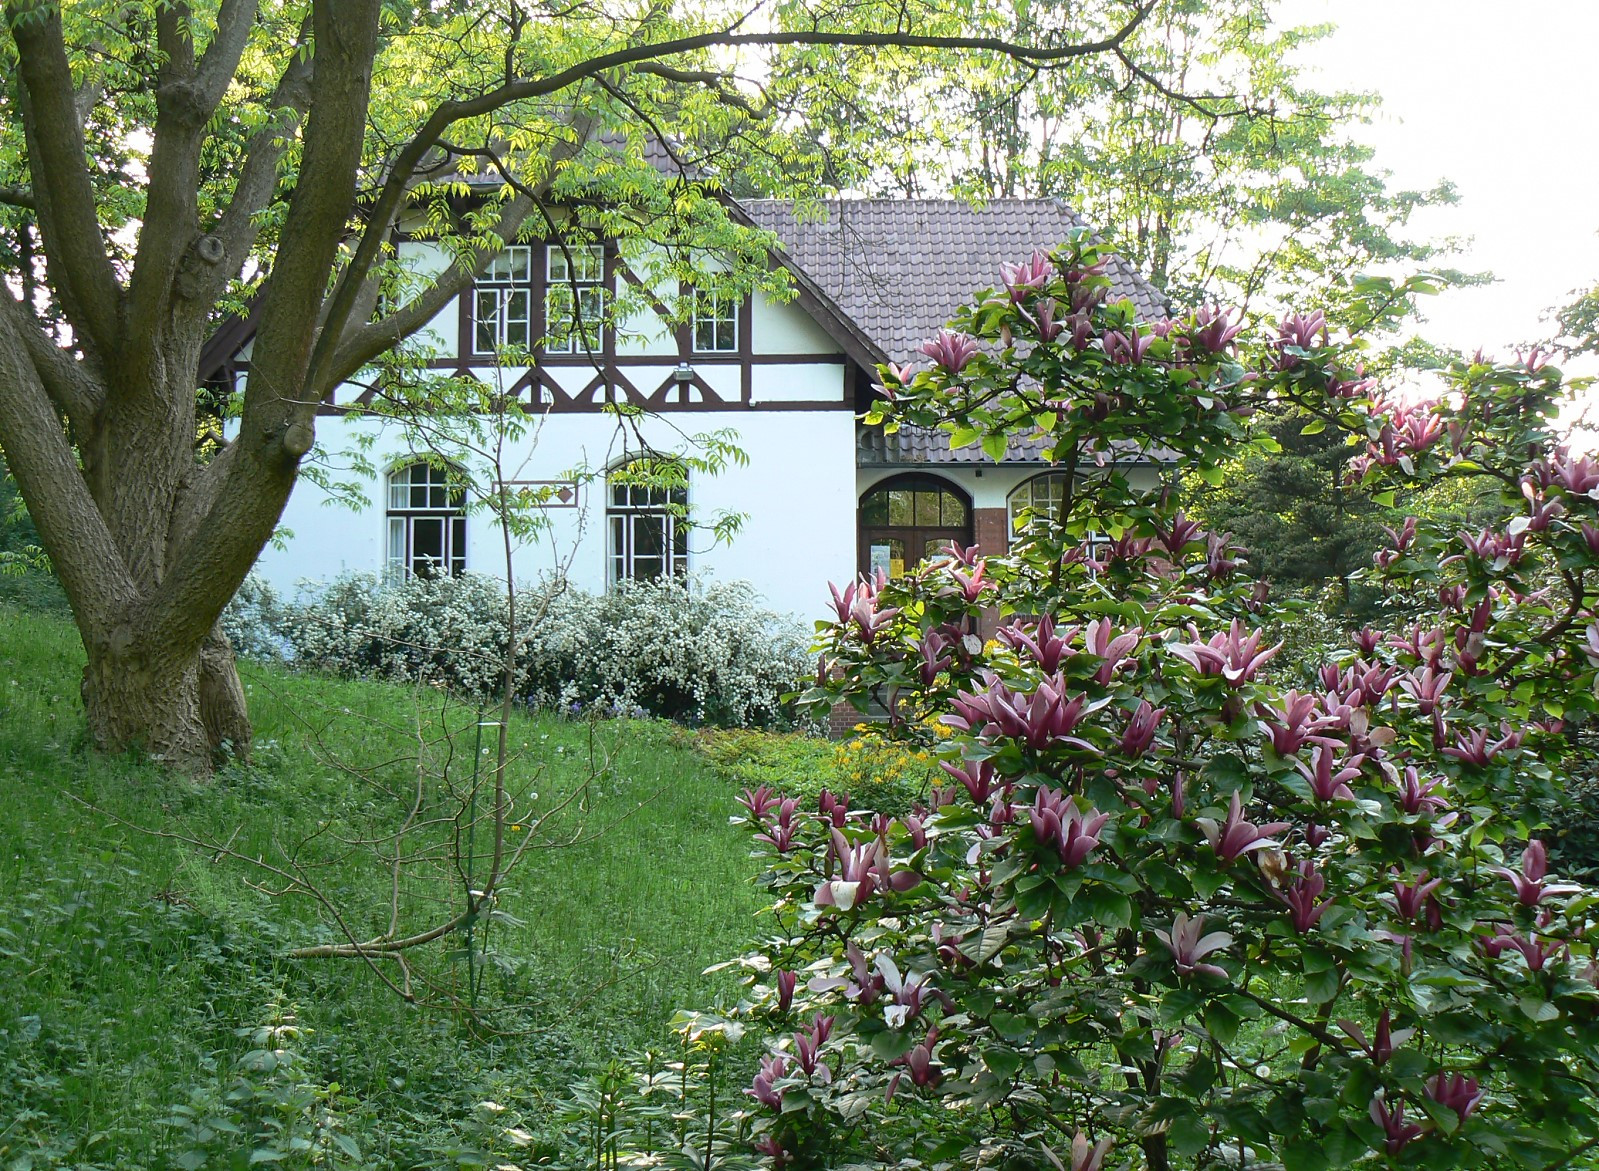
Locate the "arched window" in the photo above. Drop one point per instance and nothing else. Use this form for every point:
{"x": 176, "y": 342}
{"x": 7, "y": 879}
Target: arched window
{"x": 427, "y": 522}
{"x": 646, "y": 520}
{"x": 906, "y": 519}
{"x": 1038, "y": 499}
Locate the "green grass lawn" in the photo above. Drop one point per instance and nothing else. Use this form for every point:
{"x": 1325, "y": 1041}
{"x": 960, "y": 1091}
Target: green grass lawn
{"x": 141, "y": 978}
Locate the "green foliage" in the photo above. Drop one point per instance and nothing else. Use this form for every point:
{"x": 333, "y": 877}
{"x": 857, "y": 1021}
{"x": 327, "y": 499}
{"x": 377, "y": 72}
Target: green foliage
{"x": 137, "y": 973}
{"x": 873, "y": 772}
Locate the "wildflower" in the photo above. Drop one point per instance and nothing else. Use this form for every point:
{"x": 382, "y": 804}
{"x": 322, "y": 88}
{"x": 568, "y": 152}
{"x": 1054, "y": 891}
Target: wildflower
{"x": 1455, "y": 1091}
{"x": 951, "y": 350}
{"x": 1189, "y": 945}
{"x": 1236, "y": 837}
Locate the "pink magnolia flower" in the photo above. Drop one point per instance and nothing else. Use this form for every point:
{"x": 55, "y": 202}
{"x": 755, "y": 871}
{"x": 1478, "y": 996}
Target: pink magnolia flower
{"x": 772, "y": 1071}
{"x": 972, "y": 584}
{"x": 951, "y": 350}
{"x": 1044, "y": 719}
{"x": 1141, "y": 727}
{"x": 1381, "y": 1047}
{"x": 977, "y": 777}
{"x": 1392, "y": 1120}
{"x": 1189, "y": 945}
{"x": 1291, "y": 724}
{"x": 1455, "y": 1091}
{"x": 1046, "y": 648}
{"x": 1529, "y": 882}
{"x": 759, "y": 802}
{"x": 1029, "y": 276}
{"x": 1086, "y": 1157}
{"x": 1100, "y": 641}
{"x": 785, "y": 989}
{"x": 1058, "y": 822}
{"x": 1233, "y": 656}
{"x": 1326, "y": 785}
{"x": 1044, "y": 317}
{"x": 1214, "y": 329}
{"x": 1427, "y": 687}
{"x": 863, "y": 870}
{"x": 934, "y": 651}
{"x": 1505, "y": 938}
{"x": 1419, "y": 796}
{"x": 1126, "y": 349}
{"x": 1300, "y": 332}
{"x": 1475, "y": 748}
{"x": 1301, "y": 896}
{"x": 1236, "y": 837}
{"x": 1410, "y": 899}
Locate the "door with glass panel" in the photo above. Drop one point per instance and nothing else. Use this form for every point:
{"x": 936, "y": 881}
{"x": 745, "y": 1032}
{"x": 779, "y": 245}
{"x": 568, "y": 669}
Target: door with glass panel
{"x": 907, "y": 519}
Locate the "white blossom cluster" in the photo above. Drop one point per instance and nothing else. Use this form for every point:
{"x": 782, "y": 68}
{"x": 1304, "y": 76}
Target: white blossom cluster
{"x": 701, "y": 651}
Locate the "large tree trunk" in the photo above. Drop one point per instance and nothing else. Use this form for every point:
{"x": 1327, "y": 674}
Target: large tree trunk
{"x": 223, "y": 710}
{"x": 136, "y": 703}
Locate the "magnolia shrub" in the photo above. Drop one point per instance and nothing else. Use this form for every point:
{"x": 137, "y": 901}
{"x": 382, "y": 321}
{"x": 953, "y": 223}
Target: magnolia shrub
{"x": 1173, "y": 907}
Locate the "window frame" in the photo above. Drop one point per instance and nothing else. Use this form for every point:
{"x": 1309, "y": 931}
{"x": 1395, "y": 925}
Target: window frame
{"x": 627, "y": 515}
{"x": 916, "y": 535}
{"x": 439, "y": 504}
{"x": 583, "y": 334}
{"x": 716, "y": 321}
{"x": 504, "y": 289}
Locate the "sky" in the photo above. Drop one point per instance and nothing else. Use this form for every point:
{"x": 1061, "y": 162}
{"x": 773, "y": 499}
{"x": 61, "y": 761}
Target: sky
{"x": 1503, "y": 100}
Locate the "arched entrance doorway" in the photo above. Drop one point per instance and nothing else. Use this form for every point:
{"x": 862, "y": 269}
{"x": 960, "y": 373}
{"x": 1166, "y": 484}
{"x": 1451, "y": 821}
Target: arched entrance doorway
{"x": 905, "y": 519}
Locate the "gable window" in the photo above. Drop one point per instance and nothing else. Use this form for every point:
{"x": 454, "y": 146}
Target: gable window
{"x": 715, "y": 324}
{"x": 574, "y": 298}
{"x": 427, "y": 523}
{"x": 646, "y": 523}
{"x": 502, "y": 303}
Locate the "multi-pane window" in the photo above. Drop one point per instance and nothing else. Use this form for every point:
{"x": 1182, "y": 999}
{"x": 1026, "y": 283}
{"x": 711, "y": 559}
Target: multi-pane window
{"x": 646, "y": 525}
{"x": 502, "y": 303}
{"x": 574, "y": 298}
{"x": 427, "y": 523}
{"x": 715, "y": 325}
{"x": 1038, "y": 499}
{"x": 908, "y": 519}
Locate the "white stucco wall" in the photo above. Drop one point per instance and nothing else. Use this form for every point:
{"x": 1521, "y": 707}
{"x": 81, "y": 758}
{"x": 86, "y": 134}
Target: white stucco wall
{"x": 798, "y": 491}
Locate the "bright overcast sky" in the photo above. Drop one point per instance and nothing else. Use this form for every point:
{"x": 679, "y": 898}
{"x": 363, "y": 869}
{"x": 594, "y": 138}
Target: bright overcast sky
{"x": 1502, "y": 99}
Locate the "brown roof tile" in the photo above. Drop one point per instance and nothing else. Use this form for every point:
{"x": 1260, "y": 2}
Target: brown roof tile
{"x": 900, "y": 268}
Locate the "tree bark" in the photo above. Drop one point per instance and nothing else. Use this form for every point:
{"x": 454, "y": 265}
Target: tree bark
{"x": 223, "y": 709}
{"x": 147, "y": 704}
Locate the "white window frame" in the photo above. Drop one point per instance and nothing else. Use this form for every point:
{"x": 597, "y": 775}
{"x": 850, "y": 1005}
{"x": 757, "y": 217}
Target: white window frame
{"x": 574, "y": 324}
{"x": 634, "y": 510}
{"x": 414, "y": 506}
{"x": 506, "y": 287}
{"x": 720, "y": 313}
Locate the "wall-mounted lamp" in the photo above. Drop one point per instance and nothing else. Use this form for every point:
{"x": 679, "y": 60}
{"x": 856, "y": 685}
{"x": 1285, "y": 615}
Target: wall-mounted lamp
{"x": 684, "y": 372}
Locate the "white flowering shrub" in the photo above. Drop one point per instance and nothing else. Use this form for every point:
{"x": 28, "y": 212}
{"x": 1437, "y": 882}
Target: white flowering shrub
{"x": 698, "y": 651}
{"x": 706, "y": 652}
{"x": 255, "y": 621}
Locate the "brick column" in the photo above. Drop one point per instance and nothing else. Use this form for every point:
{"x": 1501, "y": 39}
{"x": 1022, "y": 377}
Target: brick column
{"x": 991, "y": 530}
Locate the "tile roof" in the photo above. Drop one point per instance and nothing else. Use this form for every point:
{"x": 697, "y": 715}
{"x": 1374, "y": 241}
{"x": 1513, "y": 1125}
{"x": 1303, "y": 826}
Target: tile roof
{"x": 900, "y": 268}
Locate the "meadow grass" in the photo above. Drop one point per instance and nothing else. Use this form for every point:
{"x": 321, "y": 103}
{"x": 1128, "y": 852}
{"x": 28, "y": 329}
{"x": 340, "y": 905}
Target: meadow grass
{"x": 134, "y": 967}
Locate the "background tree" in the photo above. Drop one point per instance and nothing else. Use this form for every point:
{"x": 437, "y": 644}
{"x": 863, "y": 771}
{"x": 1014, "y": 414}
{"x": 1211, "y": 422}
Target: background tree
{"x": 1201, "y": 150}
{"x": 169, "y": 161}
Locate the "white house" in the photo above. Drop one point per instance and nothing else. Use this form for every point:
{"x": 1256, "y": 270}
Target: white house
{"x": 823, "y": 497}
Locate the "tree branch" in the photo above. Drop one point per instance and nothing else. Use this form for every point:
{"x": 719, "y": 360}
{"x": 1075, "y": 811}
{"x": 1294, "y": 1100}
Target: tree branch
{"x": 237, "y": 226}
{"x": 71, "y": 391}
{"x": 37, "y": 451}
{"x": 69, "y": 220}
{"x": 398, "y": 183}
